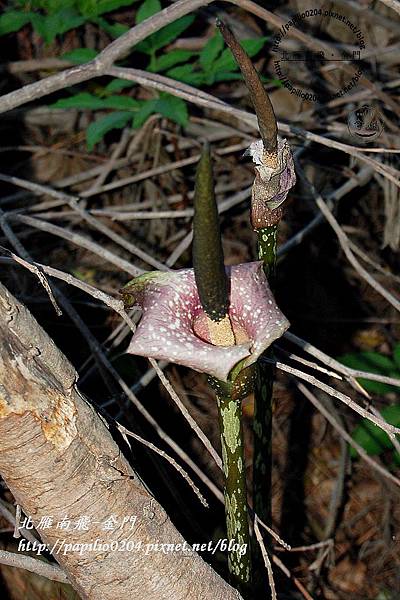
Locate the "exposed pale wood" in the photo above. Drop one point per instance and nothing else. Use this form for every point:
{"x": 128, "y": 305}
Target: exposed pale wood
{"x": 59, "y": 459}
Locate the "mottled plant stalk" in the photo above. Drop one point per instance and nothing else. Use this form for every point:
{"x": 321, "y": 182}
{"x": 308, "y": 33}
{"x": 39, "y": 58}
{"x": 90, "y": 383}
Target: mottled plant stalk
{"x": 212, "y": 285}
{"x": 235, "y": 492}
{"x": 267, "y": 253}
{"x": 263, "y": 394}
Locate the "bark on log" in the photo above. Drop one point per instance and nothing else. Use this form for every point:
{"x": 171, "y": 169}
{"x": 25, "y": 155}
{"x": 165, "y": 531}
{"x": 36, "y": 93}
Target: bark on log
{"x": 58, "y": 458}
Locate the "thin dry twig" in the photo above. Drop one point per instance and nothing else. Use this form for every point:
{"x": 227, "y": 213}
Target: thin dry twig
{"x": 391, "y": 430}
{"x": 334, "y": 364}
{"x": 265, "y": 556}
{"x": 297, "y": 583}
{"x": 168, "y": 458}
{"x": 393, "y": 4}
{"x": 14, "y": 521}
{"x": 190, "y": 160}
{"x": 78, "y": 240}
{"x": 73, "y": 202}
{"x": 308, "y": 548}
{"x": 309, "y": 363}
{"x": 34, "y": 565}
{"x": 77, "y": 320}
{"x": 356, "y": 180}
{"x": 163, "y": 435}
{"x": 345, "y": 244}
{"x": 113, "y": 303}
{"x": 8, "y": 232}
{"x": 110, "y": 165}
{"x": 118, "y": 307}
{"x": 319, "y": 406}
{"x": 200, "y": 434}
{"x": 371, "y": 262}
{"x": 273, "y": 534}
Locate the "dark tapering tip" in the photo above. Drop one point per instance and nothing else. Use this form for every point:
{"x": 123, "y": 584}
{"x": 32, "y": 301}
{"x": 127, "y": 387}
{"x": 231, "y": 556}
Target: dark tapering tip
{"x": 208, "y": 256}
{"x": 262, "y": 104}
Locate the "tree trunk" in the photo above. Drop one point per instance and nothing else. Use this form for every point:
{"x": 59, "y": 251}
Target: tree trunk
{"x": 59, "y": 460}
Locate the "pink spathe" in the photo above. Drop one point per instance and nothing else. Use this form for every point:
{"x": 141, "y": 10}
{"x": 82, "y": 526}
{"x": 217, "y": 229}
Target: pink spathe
{"x": 172, "y": 324}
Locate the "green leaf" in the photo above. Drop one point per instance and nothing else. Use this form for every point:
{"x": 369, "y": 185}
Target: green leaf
{"x": 48, "y": 27}
{"x": 173, "y": 108}
{"x": 169, "y": 106}
{"x": 371, "y": 437}
{"x": 170, "y": 32}
{"x": 224, "y": 76}
{"x": 187, "y": 74}
{"x": 104, "y": 6}
{"x": 79, "y": 56}
{"x": 211, "y": 50}
{"x": 85, "y": 100}
{"x": 166, "y": 34}
{"x": 120, "y": 103}
{"x": 374, "y": 363}
{"x": 254, "y": 45}
{"x": 115, "y": 30}
{"x": 50, "y": 7}
{"x": 396, "y": 355}
{"x": 391, "y": 414}
{"x": 81, "y": 101}
{"x": 93, "y": 8}
{"x": 275, "y": 82}
{"x": 148, "y": 108}
{"x": 168, "y": 60}
{"x": 116, "y": 85}
{"x": 97, "y": 130}
{"x": 226, "y": 62}
{"x": 13, "y": 20}
{"x": 147, "y": 9}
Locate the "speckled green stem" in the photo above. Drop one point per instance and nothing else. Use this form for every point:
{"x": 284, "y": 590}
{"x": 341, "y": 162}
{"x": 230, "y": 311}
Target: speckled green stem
{"x": 267, "y": 250}
{"x": 263, "y": 404}
{"x": 235, "y": 493}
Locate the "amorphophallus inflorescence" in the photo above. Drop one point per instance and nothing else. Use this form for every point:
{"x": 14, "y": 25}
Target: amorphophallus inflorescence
{"x": 175, "y": 327}
{"x": 274, "y": 176}
{"x": 217, "y": 320}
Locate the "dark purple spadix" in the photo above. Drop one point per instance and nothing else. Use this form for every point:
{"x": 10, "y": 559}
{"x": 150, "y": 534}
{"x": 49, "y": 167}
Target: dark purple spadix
{"x": 208, "y": 256}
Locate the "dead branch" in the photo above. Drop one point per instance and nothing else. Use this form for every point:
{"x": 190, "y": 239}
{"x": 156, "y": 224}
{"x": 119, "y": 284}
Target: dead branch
{"x": 34, "y": 565}
{"x": 58, "y": 458}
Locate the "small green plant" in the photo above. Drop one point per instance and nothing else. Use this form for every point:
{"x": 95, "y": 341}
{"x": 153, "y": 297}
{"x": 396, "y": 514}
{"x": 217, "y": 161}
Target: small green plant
{"x": 374, "y": 362}
{"x": 126, "y": 110}
{"x": 52, "y": 18}
{"x": 373, "y": 439}
{"x": 212, "y": 65}
{"x": 370, "y": 437}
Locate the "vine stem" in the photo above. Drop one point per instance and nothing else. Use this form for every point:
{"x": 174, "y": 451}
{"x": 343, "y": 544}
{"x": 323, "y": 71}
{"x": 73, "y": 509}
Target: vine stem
{"x": 235, "y": 492}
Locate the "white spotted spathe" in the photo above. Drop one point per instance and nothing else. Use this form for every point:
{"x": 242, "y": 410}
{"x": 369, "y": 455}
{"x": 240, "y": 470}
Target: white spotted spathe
{"x": 171, "y": 305}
